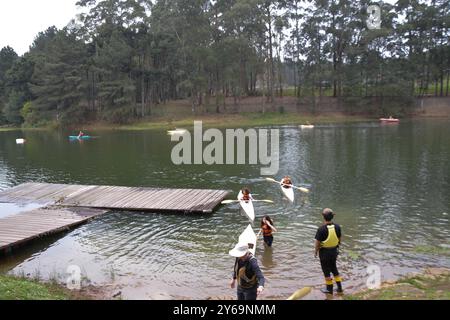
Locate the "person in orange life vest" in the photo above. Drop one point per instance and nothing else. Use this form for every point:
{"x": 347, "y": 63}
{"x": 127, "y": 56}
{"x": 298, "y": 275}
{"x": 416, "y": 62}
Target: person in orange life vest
{"x": 267, "y": 227}
{"x": 327, "y": 240}
{"x": 286, "y": 182}
{"x": 246, "y": 271}
{"x": 246, "y": 196}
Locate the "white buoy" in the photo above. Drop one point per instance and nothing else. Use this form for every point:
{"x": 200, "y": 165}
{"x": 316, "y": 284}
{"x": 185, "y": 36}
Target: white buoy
{"x": 20, "y": 141}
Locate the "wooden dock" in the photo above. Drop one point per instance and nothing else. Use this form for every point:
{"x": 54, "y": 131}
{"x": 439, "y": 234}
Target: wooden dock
{"x": 23, "y": 227}
{"x": 117, "y": 198}
{"x": 66, "y": 206}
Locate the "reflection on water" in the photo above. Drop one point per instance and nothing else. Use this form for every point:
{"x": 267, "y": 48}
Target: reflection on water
{"x": 389, "y": 185}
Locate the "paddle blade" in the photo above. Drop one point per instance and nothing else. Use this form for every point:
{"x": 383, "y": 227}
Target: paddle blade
{"x": 264, "y": 200}
{"x": 229, "y": 201}
{"x": 271, "y": 180}
{"x": 303, "y": 189}
{"x": 300, "y": 293}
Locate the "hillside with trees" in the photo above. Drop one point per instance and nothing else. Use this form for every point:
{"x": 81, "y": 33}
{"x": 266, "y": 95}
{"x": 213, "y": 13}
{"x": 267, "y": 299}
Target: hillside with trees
{"x": 120, "y": 58}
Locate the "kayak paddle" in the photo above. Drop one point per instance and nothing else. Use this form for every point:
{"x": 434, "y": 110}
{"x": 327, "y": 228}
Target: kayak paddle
{"x": 302, "y": 189}
{"x": 300, "y": 293}
{"x": 232, "y": 201}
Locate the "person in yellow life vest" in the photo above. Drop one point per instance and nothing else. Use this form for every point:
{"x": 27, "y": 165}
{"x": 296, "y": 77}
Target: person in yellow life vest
{"x": 328, "y": 238}
{"x": 246, "y": 271}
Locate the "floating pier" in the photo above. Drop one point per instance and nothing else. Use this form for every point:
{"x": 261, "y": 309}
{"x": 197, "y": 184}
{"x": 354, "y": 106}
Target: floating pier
{"x": 23, "y": 227}
{"x": 117, "y": 198}
{"x": 66, "y": 206}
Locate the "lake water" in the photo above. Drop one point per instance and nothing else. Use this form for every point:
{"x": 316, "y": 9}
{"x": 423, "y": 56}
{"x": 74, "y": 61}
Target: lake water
{"x": 388, "y": 184}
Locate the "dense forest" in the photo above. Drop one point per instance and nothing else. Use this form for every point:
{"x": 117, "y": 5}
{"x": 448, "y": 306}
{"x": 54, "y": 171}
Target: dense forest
{"x": 118, "y": 59}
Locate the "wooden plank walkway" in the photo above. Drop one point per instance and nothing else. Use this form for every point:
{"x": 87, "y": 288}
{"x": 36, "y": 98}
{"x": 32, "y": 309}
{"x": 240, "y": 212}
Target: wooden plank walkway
{"x": 23, "y": 227}
{"x": 119, "y": 198}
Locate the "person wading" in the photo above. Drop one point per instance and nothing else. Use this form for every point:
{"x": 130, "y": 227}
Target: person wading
{"x": 328, "y": 238}
{"x": 246, "y": 271}
{"x": 267, "y": 229}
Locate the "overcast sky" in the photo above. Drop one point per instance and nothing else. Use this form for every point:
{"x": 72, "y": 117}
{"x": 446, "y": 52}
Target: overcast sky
{"x": 22, "y": 20}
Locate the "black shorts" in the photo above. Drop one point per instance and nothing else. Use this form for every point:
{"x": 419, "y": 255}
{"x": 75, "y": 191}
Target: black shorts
{"x": 328, "y": 259}
{"x": 268, "y": 240}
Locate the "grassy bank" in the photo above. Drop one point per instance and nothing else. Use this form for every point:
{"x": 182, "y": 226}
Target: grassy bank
{"x": 433, "y": 284}
{"x": 242, "y": 120}
{"x": 216, "y": 121}
{"x": 14, "y": 288}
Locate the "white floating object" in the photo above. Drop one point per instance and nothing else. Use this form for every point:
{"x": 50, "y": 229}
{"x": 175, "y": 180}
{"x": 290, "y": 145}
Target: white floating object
{"x": 307, "y": 126}
{"x": 20, "y": 141}
{"x": 177, "y": 131}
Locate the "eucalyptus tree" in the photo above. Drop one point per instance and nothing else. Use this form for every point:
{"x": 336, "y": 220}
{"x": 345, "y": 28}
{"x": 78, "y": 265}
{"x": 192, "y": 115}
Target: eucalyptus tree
{"x": 58, "y": 83}
{"x": 7, "y": 59}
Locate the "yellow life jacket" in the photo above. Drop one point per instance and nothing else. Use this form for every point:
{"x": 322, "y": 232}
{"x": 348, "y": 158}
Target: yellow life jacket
{"x": 332, "y": 240}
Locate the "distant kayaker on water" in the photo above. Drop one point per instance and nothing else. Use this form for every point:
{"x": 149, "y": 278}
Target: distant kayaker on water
{"x": 267, "y": 228}
{"x": 246, "y": 271}
{"x": 286, "y": 182}
{"x": 328, "y": 238}
{"x": 80, "y": 134}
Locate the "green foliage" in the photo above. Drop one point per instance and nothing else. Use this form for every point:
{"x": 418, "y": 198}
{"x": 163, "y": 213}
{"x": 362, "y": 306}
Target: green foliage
{"x": 122, "y": 60}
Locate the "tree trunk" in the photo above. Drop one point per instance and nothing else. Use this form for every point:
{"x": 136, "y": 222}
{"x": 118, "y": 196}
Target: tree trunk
{"x": 271, "y": 64}
{"x": 448, "y": 82}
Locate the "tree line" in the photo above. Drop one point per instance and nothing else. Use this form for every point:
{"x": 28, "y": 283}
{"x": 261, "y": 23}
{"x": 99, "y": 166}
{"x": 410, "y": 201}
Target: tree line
{"x": 119, "y": 58}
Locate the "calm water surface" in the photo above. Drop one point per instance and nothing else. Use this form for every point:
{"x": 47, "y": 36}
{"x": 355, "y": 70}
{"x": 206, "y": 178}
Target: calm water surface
{"x": 388, "y": 184}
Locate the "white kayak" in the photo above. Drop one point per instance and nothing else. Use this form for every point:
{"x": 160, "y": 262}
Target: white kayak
{"x": 288, "y": 193}
{"x": 247, "y": 206}
{"x": 249, "y": 237}
{"x": 307, "y": 126}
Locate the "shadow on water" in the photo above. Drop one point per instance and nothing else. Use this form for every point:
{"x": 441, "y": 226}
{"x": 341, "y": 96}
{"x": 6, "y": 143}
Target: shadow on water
{"x": 32, "y": 249}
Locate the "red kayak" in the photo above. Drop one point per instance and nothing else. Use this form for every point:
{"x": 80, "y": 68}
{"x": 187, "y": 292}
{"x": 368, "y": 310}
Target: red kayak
{"x": 389, "y": 120}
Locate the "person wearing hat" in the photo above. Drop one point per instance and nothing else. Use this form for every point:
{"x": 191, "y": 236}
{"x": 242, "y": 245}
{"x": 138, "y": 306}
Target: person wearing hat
{"x": 328, "y": 238}
{"x": 246, "y": 271}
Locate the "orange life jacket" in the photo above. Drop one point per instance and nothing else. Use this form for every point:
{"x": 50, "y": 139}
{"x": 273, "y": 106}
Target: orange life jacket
{"x": 267, "y": 231}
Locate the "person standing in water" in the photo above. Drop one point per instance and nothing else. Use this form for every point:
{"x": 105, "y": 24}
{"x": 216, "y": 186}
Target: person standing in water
{"x": 267, "y": 228}
{"x": 246, "y": 271}
{"x": 327, "y": 240}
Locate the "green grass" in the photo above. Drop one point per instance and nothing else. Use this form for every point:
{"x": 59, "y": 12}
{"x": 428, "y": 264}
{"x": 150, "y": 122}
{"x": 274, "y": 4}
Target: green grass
{"x": 12, "y": 288}
{"x": 4, "y": 129}
{"x": 422, "y": 287}
{"x": 431, "y": 88}
{"x": 244, "y": 120}
{"x": 219, "y": 121}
